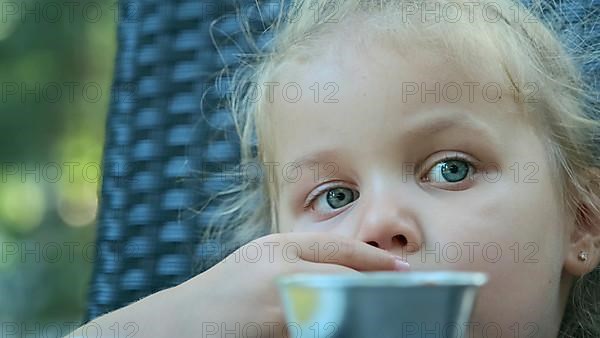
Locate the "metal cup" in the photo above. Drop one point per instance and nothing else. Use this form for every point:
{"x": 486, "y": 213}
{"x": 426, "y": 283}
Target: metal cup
{"x": 380, "y": 304}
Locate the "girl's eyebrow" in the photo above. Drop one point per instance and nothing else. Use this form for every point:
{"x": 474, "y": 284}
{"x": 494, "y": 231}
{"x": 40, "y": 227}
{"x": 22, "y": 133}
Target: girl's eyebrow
{"x": 435, "y": 125}
{"x": 320, "y": 157}
{"x": 423, "y": 128}
{"x": 317, "y": 157}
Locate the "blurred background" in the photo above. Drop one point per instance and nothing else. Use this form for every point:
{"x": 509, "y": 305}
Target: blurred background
{"x": 56, "y": 65}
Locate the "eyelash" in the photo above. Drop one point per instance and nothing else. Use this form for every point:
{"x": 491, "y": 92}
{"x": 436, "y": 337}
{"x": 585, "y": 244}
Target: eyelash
{"x": 472, "y": 163}
{"x": 312, "y": 197}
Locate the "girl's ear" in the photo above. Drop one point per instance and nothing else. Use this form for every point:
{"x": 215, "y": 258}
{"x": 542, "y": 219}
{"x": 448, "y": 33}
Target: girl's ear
{"x": 583, "y": 254}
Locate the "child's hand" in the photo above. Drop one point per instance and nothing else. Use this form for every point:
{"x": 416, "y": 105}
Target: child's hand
{"x": 239, "y": 294}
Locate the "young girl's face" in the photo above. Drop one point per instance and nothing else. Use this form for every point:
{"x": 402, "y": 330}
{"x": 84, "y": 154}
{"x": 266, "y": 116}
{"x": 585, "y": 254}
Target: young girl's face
{"x": 391, "y": 153}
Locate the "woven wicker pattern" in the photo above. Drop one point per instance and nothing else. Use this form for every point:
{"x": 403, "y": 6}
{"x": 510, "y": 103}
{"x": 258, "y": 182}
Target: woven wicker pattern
{"x": 148, "y": 238}
{"x": 158, "y": 138}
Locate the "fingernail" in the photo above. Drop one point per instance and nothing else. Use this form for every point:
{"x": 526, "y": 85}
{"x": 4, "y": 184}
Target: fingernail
{"x": 401, "y": 265}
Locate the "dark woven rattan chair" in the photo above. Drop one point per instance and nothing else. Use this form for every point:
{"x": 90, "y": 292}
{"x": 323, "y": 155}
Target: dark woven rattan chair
{"x": 147, "y": 232}
{"x": 157, "y": 140}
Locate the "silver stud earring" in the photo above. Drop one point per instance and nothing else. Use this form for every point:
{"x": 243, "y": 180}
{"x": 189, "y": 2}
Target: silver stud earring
{"x": 583, "y": 256}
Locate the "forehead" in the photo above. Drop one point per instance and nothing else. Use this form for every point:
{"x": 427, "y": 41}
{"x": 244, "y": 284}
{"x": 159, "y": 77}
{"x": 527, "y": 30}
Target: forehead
{"x": 351, "y": 95}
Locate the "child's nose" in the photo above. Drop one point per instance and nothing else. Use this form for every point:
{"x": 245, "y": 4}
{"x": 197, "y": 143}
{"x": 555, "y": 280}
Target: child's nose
{"x": 391, "y": 227}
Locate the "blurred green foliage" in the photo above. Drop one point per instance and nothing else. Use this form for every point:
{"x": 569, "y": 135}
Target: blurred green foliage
{"x": 56, "y": 66}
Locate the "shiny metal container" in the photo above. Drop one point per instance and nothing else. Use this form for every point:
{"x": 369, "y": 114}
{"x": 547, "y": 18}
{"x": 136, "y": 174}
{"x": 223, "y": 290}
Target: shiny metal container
{"x": 380, "y": 304}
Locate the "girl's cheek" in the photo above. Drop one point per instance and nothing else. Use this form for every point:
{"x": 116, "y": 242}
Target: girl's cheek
{"x": 518, "y": 296}
{"x": 343, "y": 222}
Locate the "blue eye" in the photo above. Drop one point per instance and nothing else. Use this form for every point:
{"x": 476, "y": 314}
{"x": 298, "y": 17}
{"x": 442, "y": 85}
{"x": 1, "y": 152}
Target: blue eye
{"x": 339, "y": 197}
{"x": 449, "y": 171}
{"x": 334, "y": 198}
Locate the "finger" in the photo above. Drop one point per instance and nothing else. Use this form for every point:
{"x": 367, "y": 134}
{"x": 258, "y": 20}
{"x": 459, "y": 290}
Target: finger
{"x": 325, "y": 268}
{"x": 334, "y": 249}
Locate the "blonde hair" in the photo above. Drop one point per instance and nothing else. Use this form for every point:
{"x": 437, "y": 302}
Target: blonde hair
{"x": 525, "y": 50}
